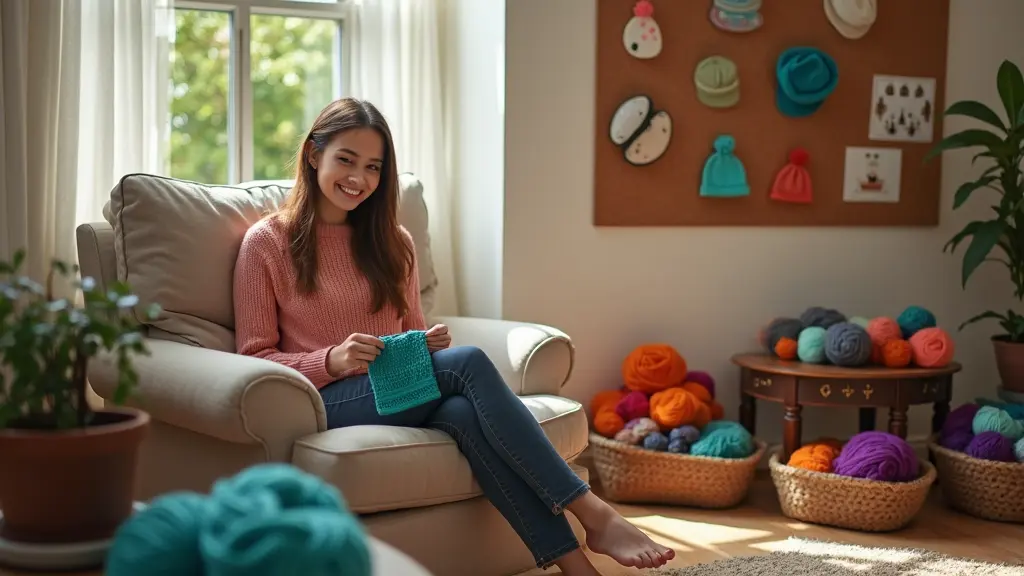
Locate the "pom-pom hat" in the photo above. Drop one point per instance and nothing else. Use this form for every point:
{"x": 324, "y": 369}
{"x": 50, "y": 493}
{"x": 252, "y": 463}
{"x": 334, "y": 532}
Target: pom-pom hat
{"x": 724, "y": 174}
{"x": 793, "y": 182}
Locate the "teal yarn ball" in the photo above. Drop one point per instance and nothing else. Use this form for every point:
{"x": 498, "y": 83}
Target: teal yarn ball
{"x": 716, "y": 425}
{"x": 914, "y": 318}
{"x": 847, "y": 344}
{"x": 810, "y": 347}
{"x": 860, "y": 321}
{"x": 992, "y": 419}
{"x": 1018, "y": 450}
{"x": 162, "y": 539}
{"x": 725, "y": 442}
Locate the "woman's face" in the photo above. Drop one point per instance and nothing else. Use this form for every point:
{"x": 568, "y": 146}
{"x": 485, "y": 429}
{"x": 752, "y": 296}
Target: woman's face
{"x": 348, "y": 171}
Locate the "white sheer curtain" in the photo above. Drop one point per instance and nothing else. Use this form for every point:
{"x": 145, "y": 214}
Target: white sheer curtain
{"x": 393, "y": 59}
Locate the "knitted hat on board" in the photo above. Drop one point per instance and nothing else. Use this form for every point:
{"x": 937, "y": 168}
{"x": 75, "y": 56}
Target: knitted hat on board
{"x": 718, "y": 82}
{"x": 736, "y": 15}
{"x": 402, "y": 376}
{"x": 793, "y": 182}
{"x": 805, "y": 77}
{"x": 851, "y": 18}
{"x": 724, "y": 175}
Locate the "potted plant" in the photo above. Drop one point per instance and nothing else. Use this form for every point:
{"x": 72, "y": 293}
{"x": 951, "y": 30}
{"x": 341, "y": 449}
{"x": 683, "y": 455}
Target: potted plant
{"x": 998, "y": 239}
{"x": 68, "y": 470}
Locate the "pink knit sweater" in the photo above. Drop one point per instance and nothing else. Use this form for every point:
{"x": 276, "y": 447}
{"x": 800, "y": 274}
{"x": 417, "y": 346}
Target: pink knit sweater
{"x": 273, "y": 321}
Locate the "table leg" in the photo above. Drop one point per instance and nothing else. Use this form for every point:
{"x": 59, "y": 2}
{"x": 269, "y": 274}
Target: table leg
{"x": 867, "y": 419}
{"x": 898, "y": 421}
{"x": 939, "y": 412}
{"x": 791, "y": 432}
{"x": 748, "y": 413}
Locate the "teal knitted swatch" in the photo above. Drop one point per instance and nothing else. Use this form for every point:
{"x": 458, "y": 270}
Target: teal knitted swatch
{"x": 402, "y": 376}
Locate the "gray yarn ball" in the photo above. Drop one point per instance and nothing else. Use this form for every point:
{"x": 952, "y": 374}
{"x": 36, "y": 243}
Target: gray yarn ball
{"x": 656, "y": 441}
{"x": 782, "y": 328}
{"x": 823, "y": 317}
{"x": 847, "y": 344}
{"x": 678, "y": 446}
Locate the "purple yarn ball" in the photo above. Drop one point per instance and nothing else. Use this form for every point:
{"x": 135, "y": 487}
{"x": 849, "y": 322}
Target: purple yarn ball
{"x": 960, "y": 419}
{"x": 991, "y": 446}
{"x": 877, "y": 456}
{"x": 957, "y": 440}
{"x": 702, "y": 378}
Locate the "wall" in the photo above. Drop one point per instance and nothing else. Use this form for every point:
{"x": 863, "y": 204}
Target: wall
{"x": 475, "y": 39}
{"x": 706, "y": 291}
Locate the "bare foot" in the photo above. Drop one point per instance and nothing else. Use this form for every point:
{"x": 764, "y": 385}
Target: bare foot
{"x": 576, "y": 563}
{"x": 610, "y": 534}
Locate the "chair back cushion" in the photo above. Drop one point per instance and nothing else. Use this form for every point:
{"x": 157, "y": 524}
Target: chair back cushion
{"x": 176, "y": 243}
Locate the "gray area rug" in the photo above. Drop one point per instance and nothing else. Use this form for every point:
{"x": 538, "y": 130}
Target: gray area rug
{"x": 802, "y": 557}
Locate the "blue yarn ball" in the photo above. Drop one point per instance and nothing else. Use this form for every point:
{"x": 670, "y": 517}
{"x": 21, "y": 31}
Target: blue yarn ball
{"x": 689, "y": 434}
{"x": 726, "y": 442}
{"x": 847, "y": 344}
{"x": 162, "y": 539}
{"x": 914, "y": 318}
{"x": 656, "y": 441}
{"x": 678, "y": 446}
{"x": 810, "y": 347}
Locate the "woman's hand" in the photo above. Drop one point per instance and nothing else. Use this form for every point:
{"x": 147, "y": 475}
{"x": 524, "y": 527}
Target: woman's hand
{"x": 438, "y": 338}
{"x": 357, "y": 351}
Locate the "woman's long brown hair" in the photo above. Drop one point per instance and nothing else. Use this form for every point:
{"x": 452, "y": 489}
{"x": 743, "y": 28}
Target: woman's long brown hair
{"x": 379, "y": 249}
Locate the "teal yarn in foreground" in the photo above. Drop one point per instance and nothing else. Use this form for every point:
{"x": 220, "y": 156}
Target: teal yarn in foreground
{"x": 913, "y": 319}
{"x": 992, "y": 419}
{"x": 724, "y": 440}
{"x": 402, "y": 376}
{"x": 810, "y": 346}
{"x": 270, "y": 519}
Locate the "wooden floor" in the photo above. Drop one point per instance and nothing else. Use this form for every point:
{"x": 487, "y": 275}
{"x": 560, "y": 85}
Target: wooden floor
{"x": 700, "y": 536}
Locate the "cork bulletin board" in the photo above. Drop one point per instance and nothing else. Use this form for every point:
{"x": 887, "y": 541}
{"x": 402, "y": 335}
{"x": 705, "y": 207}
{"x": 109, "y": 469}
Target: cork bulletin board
{"x": 863, "y": 138}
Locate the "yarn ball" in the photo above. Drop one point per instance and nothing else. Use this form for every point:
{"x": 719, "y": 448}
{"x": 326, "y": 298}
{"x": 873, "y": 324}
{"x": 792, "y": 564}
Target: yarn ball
{"x": 674, "y": 407}
{"x": 643, "y": 426}
{"x": 821, "y": 317}
{"x": 1015, "y": 410}
{"x": 860, "y": 321}
{"x": 810, "y": 347}
{"x": 162, "y": 539}
{"x": 702, "y": 378}
{"x": 633, "y": 405}
{"x": 1018, "y": 450}
{"x": 786, "y": 348}
{"x": 847, "y": 345}
{"x": 882, "y": 330}
{"x": 629, "y": 436}
{"x": 960, "y": 419}
{"x": 717, "y": 410}
{"x": 914, "y": 319}
{"x": 653, "y": 367}
{"x": 782, "y": 328}
{"x": 992, "y": 419}
{"x": 816, "y": 456}
{"x": 718, "y": 425}
{"x": 933, "y": 348}
{"x": 896, "y": 353}
{"x": 678, "y": 446}
{"x": 656, "y": 441}
{"x": 699, "y": 391}
{"x": 877, "y": 456}
{"x": 726, "y": 442}
{"x": 607, "y": 423}
{"x": 956, "y": 440}
{"x": 991, "y": 445}
{"x": 606, "y": 399}
{"x": 688, "y": 434}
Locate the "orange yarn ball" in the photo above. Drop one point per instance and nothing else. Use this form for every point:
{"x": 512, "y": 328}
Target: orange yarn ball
{"x": 883, "y": 329}
{"x": 606, "y": 399}
{"x": 932, "y": 347}
{"x": 701, "y": 416}
{"x": 702, "y": 393}
{"x": 876, "y": 355}
{"x": 675, "y": 407}
{"x": 817, "y": 457}
{"x": 785, "y": 348}
{"x": 607, "y": 423}
{"x": 653, "y": 367}
{"x": 896, "y": 353}
{"x": 717, "y": 411}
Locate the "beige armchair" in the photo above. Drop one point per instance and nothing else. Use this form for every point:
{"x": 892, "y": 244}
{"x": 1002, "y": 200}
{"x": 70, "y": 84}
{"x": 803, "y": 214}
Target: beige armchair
{"x": 215, "y": 412}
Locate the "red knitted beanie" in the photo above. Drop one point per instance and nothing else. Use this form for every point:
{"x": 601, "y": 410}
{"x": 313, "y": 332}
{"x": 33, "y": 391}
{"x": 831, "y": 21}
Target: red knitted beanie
{"x": 793, "y": 182}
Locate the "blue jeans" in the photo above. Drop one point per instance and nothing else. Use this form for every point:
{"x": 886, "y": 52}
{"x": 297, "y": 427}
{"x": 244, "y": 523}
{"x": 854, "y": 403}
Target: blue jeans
{"x": 511, "y": 458}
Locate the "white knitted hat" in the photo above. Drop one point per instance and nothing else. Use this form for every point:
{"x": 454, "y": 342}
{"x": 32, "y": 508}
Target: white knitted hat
{"x": 851, "y": 18}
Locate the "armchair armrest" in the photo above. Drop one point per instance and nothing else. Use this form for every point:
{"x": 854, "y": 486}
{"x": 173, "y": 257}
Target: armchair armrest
{"x": 532, "y": 358}
{"x": 228, "y": 396}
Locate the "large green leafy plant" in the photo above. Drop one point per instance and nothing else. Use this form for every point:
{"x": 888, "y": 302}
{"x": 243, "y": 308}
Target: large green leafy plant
{"x": 1000, "y": 238}
{"x": 46, "y": 344}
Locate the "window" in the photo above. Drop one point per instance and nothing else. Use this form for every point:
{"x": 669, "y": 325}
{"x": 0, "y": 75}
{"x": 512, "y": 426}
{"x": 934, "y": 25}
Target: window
{"x": 247, "y": 79}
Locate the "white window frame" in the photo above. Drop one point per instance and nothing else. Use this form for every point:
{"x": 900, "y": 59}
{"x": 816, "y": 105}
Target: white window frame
{"x": 240, "y": 125}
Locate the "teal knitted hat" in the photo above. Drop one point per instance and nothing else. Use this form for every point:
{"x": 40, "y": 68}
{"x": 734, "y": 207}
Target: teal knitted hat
{"x": 402, "y": 376}
{"x": 724, "y": 175}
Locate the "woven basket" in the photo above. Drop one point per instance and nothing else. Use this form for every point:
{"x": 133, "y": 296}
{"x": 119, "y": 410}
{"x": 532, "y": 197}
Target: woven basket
{"x": 851, "y": 503}
{"x": 981, "y": 488}
{"x": 633, "y": 474}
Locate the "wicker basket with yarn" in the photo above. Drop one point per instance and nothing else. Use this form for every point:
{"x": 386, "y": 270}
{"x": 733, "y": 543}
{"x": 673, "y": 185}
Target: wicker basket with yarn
{"x": 851, "y": 503}
{"x": 632, "y": 474}
{"x": 982, "y": 488}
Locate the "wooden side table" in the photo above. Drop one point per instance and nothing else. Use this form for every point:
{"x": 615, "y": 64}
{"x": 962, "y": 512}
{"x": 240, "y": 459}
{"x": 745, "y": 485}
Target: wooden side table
{"x": 796, "y": 384}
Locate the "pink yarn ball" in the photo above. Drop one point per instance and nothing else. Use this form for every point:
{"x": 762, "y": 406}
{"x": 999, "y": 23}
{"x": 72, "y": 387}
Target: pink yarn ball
{"x": 633, "y": 405}
{"x": 932, "y": 347}
{"x": 883, "y": 329}
{"x": 702, "y": 378}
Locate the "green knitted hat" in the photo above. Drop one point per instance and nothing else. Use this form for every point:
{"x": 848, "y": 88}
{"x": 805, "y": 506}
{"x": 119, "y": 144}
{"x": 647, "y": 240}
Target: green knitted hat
{"x": 402, "y": 376}
{"x": 718, "y": 82}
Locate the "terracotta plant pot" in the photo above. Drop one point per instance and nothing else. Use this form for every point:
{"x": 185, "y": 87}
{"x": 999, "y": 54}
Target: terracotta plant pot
{"x": 1010, "y": 363}
{"x": 70, "y": 485}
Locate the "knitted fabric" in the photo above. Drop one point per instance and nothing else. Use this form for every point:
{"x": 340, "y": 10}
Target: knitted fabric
{"x": 402, "y": 376}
